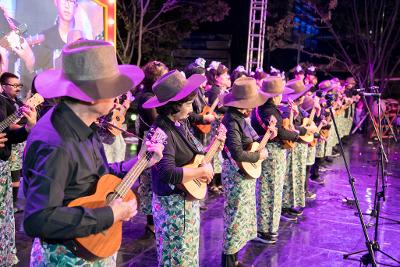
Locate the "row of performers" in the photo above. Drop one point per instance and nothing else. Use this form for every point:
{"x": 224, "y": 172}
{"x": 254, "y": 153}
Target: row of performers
{"x": 64, "y": 157}
{"x": 298, "y": 121}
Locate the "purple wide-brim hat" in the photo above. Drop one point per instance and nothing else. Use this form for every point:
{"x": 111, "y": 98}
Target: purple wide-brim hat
{"x": 89, "y": 72}
{"x": 295, "y": 96}
{"x": 172, "y": 87}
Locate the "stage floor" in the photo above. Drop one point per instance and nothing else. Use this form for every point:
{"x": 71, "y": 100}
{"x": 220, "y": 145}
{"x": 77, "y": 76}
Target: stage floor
{"x": 327, "y": 230}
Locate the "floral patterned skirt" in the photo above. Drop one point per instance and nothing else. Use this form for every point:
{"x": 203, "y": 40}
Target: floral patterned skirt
{"x": 269, "y": 189}
{"x": 331, "y": 141}
{"x": 54, "y": 255}
{"x": 320, "y": 148}
{"x": 294, "y": 186}
{"x": 8, "y": 251}
{"x": 177, "y": 227}
{"x": 145, "y": 192}
{"x": 217, "y": 160}
{"x": 15, "y": 160}
{"x": 311, "y": 153}
{"x": 240, "y": 220}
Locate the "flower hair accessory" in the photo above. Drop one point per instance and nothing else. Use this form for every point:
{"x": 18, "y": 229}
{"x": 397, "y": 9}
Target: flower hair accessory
{"x": 214, "y": 65}
{"x": 240, "y": 68}
{"x": 200, "y": 62}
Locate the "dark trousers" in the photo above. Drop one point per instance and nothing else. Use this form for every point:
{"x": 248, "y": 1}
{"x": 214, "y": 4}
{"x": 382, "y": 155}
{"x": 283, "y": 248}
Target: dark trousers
{"x": 229, "y": 260}
{"x": 314, "y": 169}
{"x": 308, "y": 168}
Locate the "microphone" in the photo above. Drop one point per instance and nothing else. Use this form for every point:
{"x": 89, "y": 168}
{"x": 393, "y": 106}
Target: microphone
{"x": 364, "y": 89}
{"x": 370, "y": 94}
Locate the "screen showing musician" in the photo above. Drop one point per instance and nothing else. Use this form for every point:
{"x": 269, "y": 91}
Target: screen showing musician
{"x": 40, "y": 29}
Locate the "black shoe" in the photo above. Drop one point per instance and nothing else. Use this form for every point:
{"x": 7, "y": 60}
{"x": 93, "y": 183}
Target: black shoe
{"x": 203, "y": 207}
{"x": 317, "y": 180}
{"x": 293, "y": 211}
{"x": 310, "y": 195}
{"x": 286, "y": 216}
{"x": 240, "y": 264}
{"x": 329, "y": 159}
{"x": 324, "y": 169}
{"x": 275, "y": 235}
{"x": 18, "y": 210}
{"x": 335, "y": 154}
{"x": 213, "y": 189}
{"x": 150, "y": 229}
{"x": 265, "y": 238}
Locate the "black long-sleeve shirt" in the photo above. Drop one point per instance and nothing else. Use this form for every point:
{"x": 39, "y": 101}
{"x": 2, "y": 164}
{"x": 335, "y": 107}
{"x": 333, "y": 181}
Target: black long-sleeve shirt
{"x": 264, "y": 112}
{"x": 285, "y": 111}
{"x": 13, "y": 136}
{"x": 212, "y": 95}
{"x": 63, "y": 161}
{"x": 238, "y": 137}
{"x": 179, "y": 150}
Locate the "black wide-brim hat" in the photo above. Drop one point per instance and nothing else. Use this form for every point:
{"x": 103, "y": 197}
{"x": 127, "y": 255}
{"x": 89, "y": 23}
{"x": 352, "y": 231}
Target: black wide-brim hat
{"x": 173, "y": 86}
{"x": 89, "y": 72}
{"x": 244, "y": 94}
{"x": 299, "y": 90}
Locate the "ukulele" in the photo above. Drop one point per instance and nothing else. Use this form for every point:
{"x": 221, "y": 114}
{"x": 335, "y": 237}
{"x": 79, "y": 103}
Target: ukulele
{"x": 206, "y": 128}
{"x": 118, "y": 115}
{"x": 196, "y": 188}
{"x": 323, "y": 123}
{"x": 14, "y": 39}
{"x": 324, "y": 133}
{"x": 253, "y": 170}
{"x": 308, "y": 137}
{"x": 109, "y": 188}
{"x": 288, "y": 125}
{"x": 32, "y": 102}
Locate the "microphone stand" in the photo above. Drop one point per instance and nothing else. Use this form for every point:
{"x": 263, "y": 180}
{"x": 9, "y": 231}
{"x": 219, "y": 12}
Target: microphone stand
{"x": 374, "y": 245}
{"x": 368, "y": 242}
{"x": 380, "y": 163}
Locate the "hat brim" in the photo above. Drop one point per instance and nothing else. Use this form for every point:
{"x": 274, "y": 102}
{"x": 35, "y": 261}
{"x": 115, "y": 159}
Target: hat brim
{"x": 229, "y": 100}
{"x": 286, "y": 97}
{"x": 192, "y": 84}
{"x": 325, "y": 90}
{"x": 53, "y": 84}
{"x": 286, "y": 90}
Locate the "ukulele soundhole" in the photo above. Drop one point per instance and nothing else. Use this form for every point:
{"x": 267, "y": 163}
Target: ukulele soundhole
{"x": 112, "y": 196}
{"x": 197, "y": 182}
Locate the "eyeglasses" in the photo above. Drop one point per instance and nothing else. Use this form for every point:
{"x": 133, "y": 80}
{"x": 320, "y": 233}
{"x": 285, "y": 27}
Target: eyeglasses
{"x": 16, "y": 86}
{"x": 71, "y": 2}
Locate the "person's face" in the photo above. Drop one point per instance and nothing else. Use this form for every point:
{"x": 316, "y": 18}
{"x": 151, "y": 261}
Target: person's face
{"x": 300, "y": 100}
{"x": 246, "y": 111}
{"x": 203, "y": 85}
{"x": 350, "y": 86}
{"x": 66, "y": 9}
{"x": 309, "y": 78}
{"x": 299, "y": 76}
{"x": 224, "y": 80}
{"x": 12, "y": 88}
{"x": 103, "y": 107}
{"x": 185, "y": 109}
{"x": 260, "y": 82}
{"x": 315, "y": 80}
{"x": 277, "y": 99}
